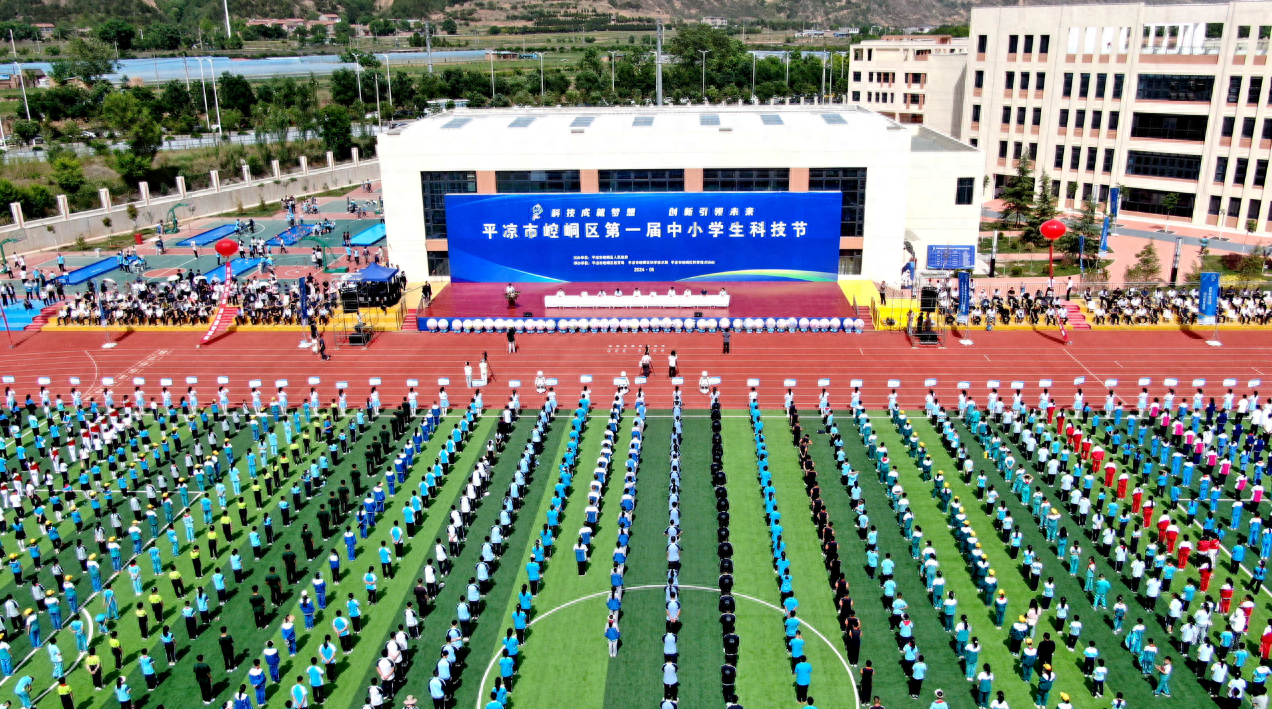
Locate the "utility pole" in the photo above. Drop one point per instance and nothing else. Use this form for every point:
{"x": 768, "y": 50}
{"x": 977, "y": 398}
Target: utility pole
{"x": 203, "y": 82}
{"x": 388, "y": 75}
{"x": 658, "y": 61}
{"x": 428, "y": 45}
{"x": 186, "y": 67}
{"x": 228, "y": 33}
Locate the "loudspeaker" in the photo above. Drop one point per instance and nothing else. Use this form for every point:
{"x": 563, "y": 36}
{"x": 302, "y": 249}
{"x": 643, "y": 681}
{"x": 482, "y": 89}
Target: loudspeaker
{"x": 527, "y": 314}
{"x": 697, "y": 313}
{"x": 349, "y": 300}
{"x": 927, "y": 299}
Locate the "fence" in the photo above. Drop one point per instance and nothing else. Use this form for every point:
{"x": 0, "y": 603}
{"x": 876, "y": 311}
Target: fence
{"x": 245, "y": 191}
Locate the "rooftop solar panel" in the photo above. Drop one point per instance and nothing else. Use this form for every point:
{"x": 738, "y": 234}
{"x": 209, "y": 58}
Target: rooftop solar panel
{"x": 708, "y": 119}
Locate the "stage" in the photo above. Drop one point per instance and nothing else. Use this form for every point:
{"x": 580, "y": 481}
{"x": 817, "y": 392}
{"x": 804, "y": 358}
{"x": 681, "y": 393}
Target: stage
{"x": 748, "y": 300}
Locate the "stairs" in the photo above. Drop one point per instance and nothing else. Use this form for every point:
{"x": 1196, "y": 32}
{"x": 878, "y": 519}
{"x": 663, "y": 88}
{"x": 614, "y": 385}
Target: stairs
{"x": 1077, "y": 319}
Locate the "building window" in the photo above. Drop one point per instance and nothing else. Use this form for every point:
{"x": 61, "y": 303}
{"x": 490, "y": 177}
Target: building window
{"x": 1104, "y": 194}
{"x": 964, "y": 190}
{"x": 1229, "y": 124}
{"x": 1067, "y": 91}
{"x": 1247, "y": 127}
{"x": 1252, "y": 211}
{"x": 1114, "y": 116}
{"x": 1020, "y": 116}
{"x": 1033, "y": 151}
{"x": 1075, "y": 157}
{"x": 856, "y": 76}
{"x": 1013, "y": 43}
{"x": 980, "y": 79}
{"x": 1101, "y": 82}
{"x": 850, "y": 262}
{"x": 641, "y": 180}
{"x": 1006, "y": 115}
{"x": 1064, "y": 118}
{"x": 1079, "y": 119}
{"x": 523, "y": 181}
{"x": 1044, "y": 43}
{"x": 1256, "y": 88}
{"x": 1135, "y": 199}
{"x": 1010, "y": 82}
{"x": 1216, "y": 205}
{"x": 976, "y": 113}
{"x": 1002, "y": 150}
{"x": 1234, "y": 89}
{"x": 856, "y": 96}
{"x": 1260, "y": 173}
{"x": 1239, "y": 172}
{"x": 435, "y": 187}
{"x": 1037, "y": 116}
{"x": 1086, "y": 191}
{"x": 1267, "y": 128}
{"x": 1167, "y": 126}
{"x": 1221, "y": 170}
{"x": 1234, "y": 207}
{"x": 1095, "y": 119}
{"x": 1108, "y": 160}
{"x": 849, "y": 182}
{"x": 1040, "y": 81}
{"x": 439, "y": 263}
{"x": 1029, "y": 44}
{"x": 1084, "y": 85}
{"x": 1059, "y": 163}
{"x": 764, "y": 179}
{"x": 1118, "y": 80}
{"x": 1024, "y": 81}
{"x": 1092, "y": 154}
{"x": 1055, "y": 188}
{"x": 1016, "y": 149}
{"x": 975, "y": 142}
{"x": 1166, "y": 87}
{"x": 1177, "y": 167}
{"x": 982, "y": 43}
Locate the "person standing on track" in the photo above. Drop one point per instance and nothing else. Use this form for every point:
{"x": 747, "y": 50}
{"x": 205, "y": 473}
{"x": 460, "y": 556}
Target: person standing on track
{"x": 671, "y": 364}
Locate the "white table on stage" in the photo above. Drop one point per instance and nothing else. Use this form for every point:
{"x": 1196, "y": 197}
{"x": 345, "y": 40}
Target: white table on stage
{"x": 644, "y": 300}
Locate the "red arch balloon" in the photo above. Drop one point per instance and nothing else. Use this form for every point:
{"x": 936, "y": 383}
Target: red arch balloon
{"x": 1053, "y": 229}
{"x": 229, "y": 247}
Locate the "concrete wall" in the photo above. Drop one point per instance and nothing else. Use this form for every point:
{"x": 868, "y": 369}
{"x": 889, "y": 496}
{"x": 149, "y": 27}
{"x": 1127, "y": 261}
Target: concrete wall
{"x": 60, "y": 230}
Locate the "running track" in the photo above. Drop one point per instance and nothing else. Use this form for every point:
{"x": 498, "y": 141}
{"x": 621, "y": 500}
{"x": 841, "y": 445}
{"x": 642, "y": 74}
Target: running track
{"x": 874, "y": 357}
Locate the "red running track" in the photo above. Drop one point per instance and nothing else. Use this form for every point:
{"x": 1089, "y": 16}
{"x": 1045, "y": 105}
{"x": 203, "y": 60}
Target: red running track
{"x": 873, "y": 357}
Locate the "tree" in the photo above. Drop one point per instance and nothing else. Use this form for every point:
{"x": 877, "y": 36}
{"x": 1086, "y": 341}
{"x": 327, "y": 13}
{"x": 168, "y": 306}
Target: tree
{"x": 1044, "y": 209}
{"x": 1250, "y": 268}
{"x": 117, "y": 33}
{"x": 344, "y": 87}
{"x": 1169, "y": 203}
{"x": 26, "y": 130}
{"x": 68, "y": 174}
{"x": 1085, "y": 229}
{"x": 1147, "y": 267}
{"x": 1018, "y": 195}
{"x": 1194, "y": 272}
{"x": 87, "y": 60}
{"x": 236, "y": 92}
{"x": 449, "y": 26}
{"x": 336, "y": 130}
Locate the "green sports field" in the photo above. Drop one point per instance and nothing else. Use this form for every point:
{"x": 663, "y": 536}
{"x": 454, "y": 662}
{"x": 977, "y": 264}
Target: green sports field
{"x": 564, "y": 661}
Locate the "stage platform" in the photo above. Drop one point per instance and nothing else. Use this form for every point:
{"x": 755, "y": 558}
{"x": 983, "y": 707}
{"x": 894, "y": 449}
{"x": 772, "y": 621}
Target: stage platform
{"x": 749, "y": 300}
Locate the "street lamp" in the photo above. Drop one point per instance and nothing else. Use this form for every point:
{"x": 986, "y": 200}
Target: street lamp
{"x": 490, "y": 53}
{"x": 388, "y": 74}
{"x": 357, "y": 69}
{"x": 541, "y": 82}
{"x": 752, "y": 75}
{"x": 216, "y": 99}
{"x": 611, "y": 71}
{"x": 704, "y": 52}
{"x": 203, "y": 82}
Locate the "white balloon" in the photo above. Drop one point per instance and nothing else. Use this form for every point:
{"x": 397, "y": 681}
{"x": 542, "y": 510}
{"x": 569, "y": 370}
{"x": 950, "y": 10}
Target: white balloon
{"x": 834, "y": 324}
{"x": 443, "y": 325}
{"x": 860, "y": 324}
{"x": 613, "y": 323}
{"x": 676, "y": 324}
{"x": 431, "y": 323}
{"x": 550, "y": 325}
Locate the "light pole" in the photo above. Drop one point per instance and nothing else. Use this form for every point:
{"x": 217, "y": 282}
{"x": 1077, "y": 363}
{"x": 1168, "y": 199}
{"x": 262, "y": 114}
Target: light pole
{"x": 490, "y": 53}
{"x": 379, "y": 120}
{"x": 216, "y": 99}
{"x": 611, "y": 71}
{"x": 203, "y": 82}
{"x": 389, "y": 76}
{"x": 704, "y": 53}
{"x": 428, "y": 45}
{"x": 18, "y": 70}
{"x": 752, "y": 76}
{"x": 357, "y": 69}
{"x": 541, "y": 82}
{"x": 225, "y": 4}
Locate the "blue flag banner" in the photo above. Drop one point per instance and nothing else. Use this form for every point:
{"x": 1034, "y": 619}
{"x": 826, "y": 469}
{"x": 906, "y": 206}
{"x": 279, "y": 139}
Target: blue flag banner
{"x": 681, "y": 236}
{"x": 304, "y": 301}
{"x": 964, "y": 296}
{"x": 1104, "y": 236}
{"x": 1115, "y": 200}
{"x": 1209, "y": 297}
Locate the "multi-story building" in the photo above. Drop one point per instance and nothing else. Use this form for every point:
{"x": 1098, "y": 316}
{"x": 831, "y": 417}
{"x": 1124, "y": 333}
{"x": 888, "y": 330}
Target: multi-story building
{"x": 1169, "y": 102}
{"x": 912, "y": 79}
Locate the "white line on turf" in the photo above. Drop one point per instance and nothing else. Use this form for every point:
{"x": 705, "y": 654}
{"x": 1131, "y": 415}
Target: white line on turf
{"x": 804, "y": 624}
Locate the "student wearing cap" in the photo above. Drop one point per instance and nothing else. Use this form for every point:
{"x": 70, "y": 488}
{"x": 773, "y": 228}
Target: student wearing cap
{"x": 937, "y": 703}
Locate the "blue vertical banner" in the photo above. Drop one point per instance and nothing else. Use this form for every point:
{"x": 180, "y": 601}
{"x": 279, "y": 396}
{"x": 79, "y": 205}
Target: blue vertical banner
{"x": 1115, "y": 201}
{"x": 964, "y": 296}
{"x": 1104, "y": 236}
{"x": 1209, "y": 297}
